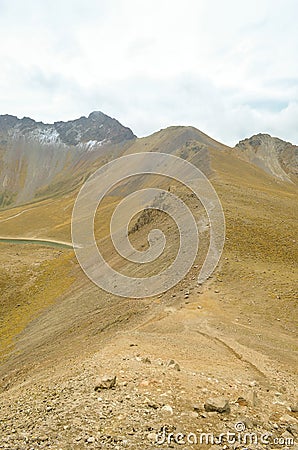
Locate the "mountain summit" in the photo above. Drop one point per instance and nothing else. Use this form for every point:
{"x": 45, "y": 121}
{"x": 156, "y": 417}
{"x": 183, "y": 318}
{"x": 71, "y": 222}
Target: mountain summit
{"x": 275, "y": 156}
{"x": 38, "y": 159}
{"x": 97, "y": 128}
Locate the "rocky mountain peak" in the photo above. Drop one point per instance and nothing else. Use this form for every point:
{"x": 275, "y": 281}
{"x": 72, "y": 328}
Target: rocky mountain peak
{"x": 7, "y": 121}
{"x": 261, "y": 139}
{"x": 97, "y": 116}
{"x": 275, "y": 156}
{"x": 97, "y": 128}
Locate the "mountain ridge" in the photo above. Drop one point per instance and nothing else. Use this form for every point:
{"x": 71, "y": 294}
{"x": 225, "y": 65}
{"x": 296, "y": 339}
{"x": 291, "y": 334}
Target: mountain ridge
{"x": 9, "y": 120}
{"x": 232, "y": 337}
{"x": 97, "y": 127}
{"x": 39, "y": 160}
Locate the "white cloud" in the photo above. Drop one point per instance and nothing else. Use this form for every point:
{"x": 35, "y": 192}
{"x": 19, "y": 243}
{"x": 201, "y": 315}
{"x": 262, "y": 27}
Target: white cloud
{"x": 229, "y": 68}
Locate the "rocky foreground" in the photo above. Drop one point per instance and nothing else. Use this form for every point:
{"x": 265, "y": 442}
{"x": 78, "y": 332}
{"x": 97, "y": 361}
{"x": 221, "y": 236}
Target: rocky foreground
{"x": 133, "y": 400}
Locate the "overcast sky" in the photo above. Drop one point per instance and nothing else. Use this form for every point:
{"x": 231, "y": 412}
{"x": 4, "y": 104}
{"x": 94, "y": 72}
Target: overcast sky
{"x": 227, "y": 67}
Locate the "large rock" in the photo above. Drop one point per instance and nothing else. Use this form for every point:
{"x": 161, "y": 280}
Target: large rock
{"x": 172, "y": 364}
{"x": 105, "y": 382}
{"x": 219, "y": 404}
{"x": 167, "y": 409}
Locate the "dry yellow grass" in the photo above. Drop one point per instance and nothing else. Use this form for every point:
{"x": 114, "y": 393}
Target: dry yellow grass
{"x": 31, "y": 280}
{"x": 256, "y": 277}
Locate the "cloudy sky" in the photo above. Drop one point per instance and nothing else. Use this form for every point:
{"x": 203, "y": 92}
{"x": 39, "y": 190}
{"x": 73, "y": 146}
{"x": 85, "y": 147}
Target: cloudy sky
{"x": 227, "y": 67}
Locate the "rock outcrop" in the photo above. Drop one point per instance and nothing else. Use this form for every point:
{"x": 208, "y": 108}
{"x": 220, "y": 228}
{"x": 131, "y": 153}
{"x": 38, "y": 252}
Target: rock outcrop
{"x": 275, "y": 156}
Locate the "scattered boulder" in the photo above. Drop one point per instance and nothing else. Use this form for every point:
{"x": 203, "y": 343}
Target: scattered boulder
{"x": 146, "y": 360}
{"x": 294, "y": 408}
{"x": 167, "y": 409}
{"x": 105, "y": 382}
{"x": 151, "y": 403}
{"x": 172, "y": 364}
{"x": 242, "y": 401}
{"x": 286, "y": 418}
{"x": 220, "y": 405}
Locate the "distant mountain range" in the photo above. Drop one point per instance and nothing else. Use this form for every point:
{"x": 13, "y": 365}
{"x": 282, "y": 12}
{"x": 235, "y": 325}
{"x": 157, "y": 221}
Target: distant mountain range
{"x": 39, "y": 160}
{"x": 97, "y": 128}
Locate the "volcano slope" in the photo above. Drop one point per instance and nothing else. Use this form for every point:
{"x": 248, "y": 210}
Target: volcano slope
{"x": 232, "y": 337}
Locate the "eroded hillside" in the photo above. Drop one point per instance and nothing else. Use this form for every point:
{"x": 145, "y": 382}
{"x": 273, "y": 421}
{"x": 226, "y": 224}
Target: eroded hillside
{"x": 232, "y": 337}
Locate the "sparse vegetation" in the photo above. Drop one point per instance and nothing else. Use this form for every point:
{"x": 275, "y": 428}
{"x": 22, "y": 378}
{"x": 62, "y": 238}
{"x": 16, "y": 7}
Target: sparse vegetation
{"x": 232, "y": 337}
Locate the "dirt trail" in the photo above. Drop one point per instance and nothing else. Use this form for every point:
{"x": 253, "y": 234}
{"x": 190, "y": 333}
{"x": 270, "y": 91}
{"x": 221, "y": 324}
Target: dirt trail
{"x": 234, "y": 337}
{"x": 15, "y": 215}
{"x": 167, "y": 366}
